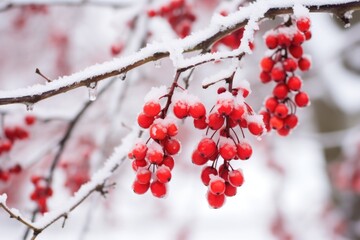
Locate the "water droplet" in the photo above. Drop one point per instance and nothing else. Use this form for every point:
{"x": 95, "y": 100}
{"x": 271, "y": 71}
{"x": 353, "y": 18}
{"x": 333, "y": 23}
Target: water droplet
{"x": 122, "y": 76}
{"x": 92, "y": 88}
{"x": 157, "y": 64}
{"x": 29, "y": 107}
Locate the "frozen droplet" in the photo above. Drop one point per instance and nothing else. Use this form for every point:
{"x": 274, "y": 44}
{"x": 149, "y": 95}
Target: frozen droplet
{"x": 157, "y": 64}
{"x": 122, "y": 76}
{"x": 92, "y": 88}
{"x": 29, "y": 106}
{"x": 259, "y": 138}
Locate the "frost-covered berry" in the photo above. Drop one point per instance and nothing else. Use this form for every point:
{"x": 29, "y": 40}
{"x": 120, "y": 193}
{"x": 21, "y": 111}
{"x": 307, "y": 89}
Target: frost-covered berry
{"x": 140, "y": 188}
{"x": 281, "y": 91}
{"x": 271, "y": 41}
{"x": 172, "y": 146}
{"x": 158, "y": 189}
{"x": 302, "y": 99}
{"x": 255, "y": 128}
{"x": 144, "y": 121}
{"x": 244, "y": 150}
{"x": 143, "y": 175}
{"x": 163, "y": 174}
{"x": 294, "y": 83}
{"x": 216, "y": 185}
{"x": 215, "y": 201}
{"x": 227, "y": 151}
{"x": 236, "y": 178}
{"x": 303, "y": 24}
{"x": 281, "y": 110}
{"x": 206, "y": 147}
{"x": 216, "y": 121}
{"x": 181, "y": 109}
{"x": 169, "y": 162}
{"x": 230, "y": 190}
{"x": 205, "y": 174}
{"x": 152, "y": 108}
{"x": 158, "y": 131}
{"x": 198, "y": 159}
{"x": 197, "y": 110}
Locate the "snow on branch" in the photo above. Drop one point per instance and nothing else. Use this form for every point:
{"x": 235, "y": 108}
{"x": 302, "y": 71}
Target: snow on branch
{"x": 220, "y": 26}
{"x": 96, "y": 184}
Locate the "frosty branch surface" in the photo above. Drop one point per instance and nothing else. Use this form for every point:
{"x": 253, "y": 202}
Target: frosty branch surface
{"x": 6, "y": 5}
{"x": 219, "y": 27}
{"x": 96, "y": 184}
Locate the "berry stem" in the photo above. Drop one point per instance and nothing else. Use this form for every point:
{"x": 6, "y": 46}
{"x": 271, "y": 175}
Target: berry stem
{"x": 170, "y": 94}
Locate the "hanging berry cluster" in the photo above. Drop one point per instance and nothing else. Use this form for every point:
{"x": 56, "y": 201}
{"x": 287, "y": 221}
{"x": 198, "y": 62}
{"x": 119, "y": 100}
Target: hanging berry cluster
{"x": 222, "y": 146}
{"x": 41, "y": 193}
{"x": 280, "y": 67}
{"x": 11, "y": 135}
{"x": 179, "y": 14}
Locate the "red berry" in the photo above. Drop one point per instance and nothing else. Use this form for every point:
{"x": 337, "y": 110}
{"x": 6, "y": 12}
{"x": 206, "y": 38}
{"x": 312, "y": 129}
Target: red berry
{"x": 284, "y": 40}
{"x": 283, "y": 131}
{"x": 281, "y": 110}
{"x": 30, "y": 119}
{"x": 198, "y": 159}
{"x": 151, "y": 13}
{"x": 15, "y": 169}
{"x": 271, "y": 41}
{"x": 200, "y": 123}
{"x": 172, "y": 130}
{"x": 307, "y": 35}
{"x": 144, "y": 121}
{"x": 267, "y": 64}
{"x": 276, "y": 123}
{"x": 301, "y": 99}
{"x": 216, "y": 185}
{"x": 230, "y": 190}
{"x": 304, "y": 64}
{"x": 181, "y": 109}
{"x": 169, "y": 162}
{"x": 154, "y": 156}
{"x": 158, "y": 131}
{"x": 139, "y": 151}
{"x": 290, "y": 121}
{"x": 227, "y": 151}
{"x": 303, "y": 24}
{"x": 255, "y": 128}
{"x": 197, "y": 110}
{"x": 152, "y": 108}
{"x": 225, "y": 107}
{"x": 244, "y": 150}
{"x": 116, "y": 49}
{"x": 236, "y": 178}
{"x": 296, "y": 51}
{"x": 215, "y": 201}
{"x": 206, "y": 147}
{"x": 216, "y": 121}
{"x": 143, "y": 175}
{"x": 265, "y": 77}
{"x": 290, "y": 65}
{"x": 158, "y": 189}
{"x": 237, "y": 113}
{"x": 281, "y": 91}
{"x": 221, "y": 90}
{"x": 294, "y": 83}
{"x": 270, "y": 104}
{"x": 139, "y": 163}
{"x": 5, "y": 145}
{"x": 298, "y": 39}
{"x": 172, "y": 146}
{"x": 140, "y": 188}
{"x": 278, "y": 74}
{"x": 163, "y": 174}
{"x": 205, "y": 174}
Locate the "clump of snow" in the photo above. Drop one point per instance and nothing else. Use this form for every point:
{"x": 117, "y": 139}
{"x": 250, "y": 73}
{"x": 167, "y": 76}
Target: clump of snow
{"x": 225, "y": 140}
{"x": 256, "y": 118}
{"x": 154, "y": 147}
{"x": 300, "y": 11}
{"x": 349, "y": 14}
{"x": 3, "y": 198}
{"x": 155, "y": 93}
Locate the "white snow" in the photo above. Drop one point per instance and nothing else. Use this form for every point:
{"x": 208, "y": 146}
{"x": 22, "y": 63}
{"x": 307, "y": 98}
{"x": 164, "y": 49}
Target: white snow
{"x": 3, "y": 198}
{"x": 155, "y": 93}
{"x": 300, "y": 11}
{"x": 97, "y": 179}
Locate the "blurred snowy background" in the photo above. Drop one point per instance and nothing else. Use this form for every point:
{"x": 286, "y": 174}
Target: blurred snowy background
{"x": 302, "y": 187}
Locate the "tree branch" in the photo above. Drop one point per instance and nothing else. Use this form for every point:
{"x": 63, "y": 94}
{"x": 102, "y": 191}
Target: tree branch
{"x": 75, "y": 3}
{"x": 198, "y": 41}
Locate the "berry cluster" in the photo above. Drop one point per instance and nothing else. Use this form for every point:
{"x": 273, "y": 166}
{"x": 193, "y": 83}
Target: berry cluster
{"x": 280, "y": 67}
{"x": 5, "y": 174}
{"x": 41, "y": 193}
{"x": 230, "y": 112}
{"x": 153, "y": 160}
{"x": 179, "y": 15}
{"x": 15, "y": 133}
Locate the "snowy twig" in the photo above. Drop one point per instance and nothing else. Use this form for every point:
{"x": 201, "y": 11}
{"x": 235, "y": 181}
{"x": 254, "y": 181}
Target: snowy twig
{"x": 197, "y": 41}
{"x": 96, "y": 184}
{"x": 7, "y": 5}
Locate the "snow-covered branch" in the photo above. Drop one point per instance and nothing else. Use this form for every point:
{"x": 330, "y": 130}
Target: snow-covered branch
{"x": 96, "y": 184}
{"x": 219, "y": 27}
